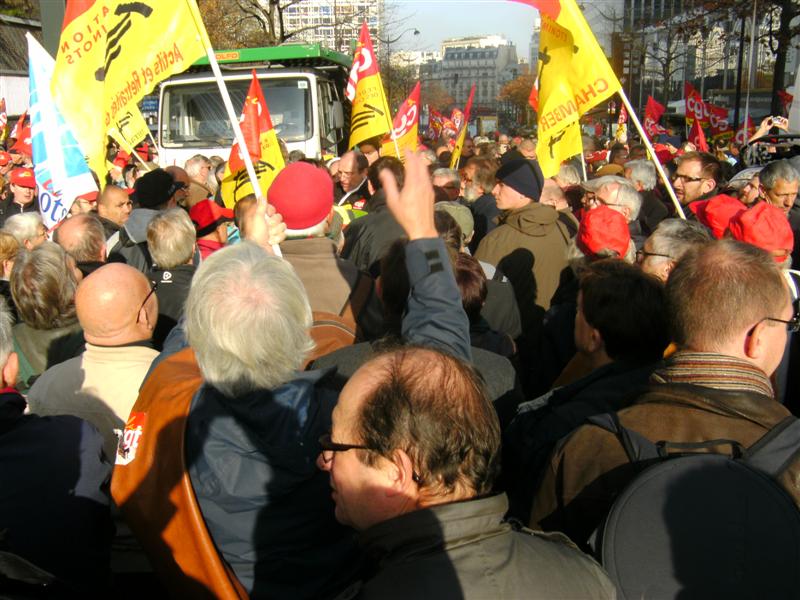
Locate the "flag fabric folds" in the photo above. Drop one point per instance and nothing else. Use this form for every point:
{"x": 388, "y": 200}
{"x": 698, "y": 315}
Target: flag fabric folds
{"x": 113, "y": 52}
{"x": 652, "y": 113}
{"x": 462, "y": 133}
{"x": 406, "y": 127}
{"x": 745, "y": 130}
{"x": 262, "y": 146}
{"x": 697, "y": 137}
{"x": 3, "y": 121}
{"x": 574, "y": 76}
{"x": 22, "y": 135}
{"x": 434, "y": 123}
{"x": 60, "y": 170}
{"x": 621, "y": 134}
{"x": 371, "y": 116}
{"x": 695, "y": 107}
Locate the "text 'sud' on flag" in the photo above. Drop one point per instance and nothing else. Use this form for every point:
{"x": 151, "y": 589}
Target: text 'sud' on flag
{"x": 61, "y": 172}
{"x": 371, "y": 117}
{"x": 405, "y": 127}
{"x": 574, "y": 76}
{"x": 113, "y": 52}
{"x": 262, "y": 146}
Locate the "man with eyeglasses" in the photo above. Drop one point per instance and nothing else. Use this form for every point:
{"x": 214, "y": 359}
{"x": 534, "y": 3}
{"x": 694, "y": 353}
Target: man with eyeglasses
{"x": 620, "y": 195}
{"x": 353, "y": 185}
{"x": 730, "y": 312}
{"x": 667, "y": 244}
{"x": 696, "y": 177}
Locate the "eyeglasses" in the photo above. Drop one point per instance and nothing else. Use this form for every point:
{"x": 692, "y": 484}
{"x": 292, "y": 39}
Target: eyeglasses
{"x": 329, "y": 447}
{"x": 642, "y": 254}
{"x": 146, "y": 298}
{"x": 793, "y": 325}
{"x": 686, "y": 178}
{"x": 592, "y": 199}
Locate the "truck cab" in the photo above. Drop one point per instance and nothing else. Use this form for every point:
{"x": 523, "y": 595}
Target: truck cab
{"x": 303, "y": 86}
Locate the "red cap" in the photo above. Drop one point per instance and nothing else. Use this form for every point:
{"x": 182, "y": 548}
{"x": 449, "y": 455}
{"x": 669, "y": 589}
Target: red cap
{"x": 603, "y": 228}
{"x": 89, "y": 196}
{"x": 716, "y": 213}
{"x": 121, "y": 159}
{"x": 207, "y": 215}
{"x": 5, "y": 158}
{"x": 23, "y": 177}
{"x": 302, "y": 194}
{"x": 765, "y": 226}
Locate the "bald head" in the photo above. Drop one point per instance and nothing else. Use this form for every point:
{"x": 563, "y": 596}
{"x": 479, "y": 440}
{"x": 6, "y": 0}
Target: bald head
{"x": 182, "y": 177}
{"x": 109, "y": 306}
{"x": 83, "y": 238}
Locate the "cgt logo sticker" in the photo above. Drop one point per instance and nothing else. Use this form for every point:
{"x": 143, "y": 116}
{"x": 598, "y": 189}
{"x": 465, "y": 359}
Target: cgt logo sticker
{"x": 129, "y": 441}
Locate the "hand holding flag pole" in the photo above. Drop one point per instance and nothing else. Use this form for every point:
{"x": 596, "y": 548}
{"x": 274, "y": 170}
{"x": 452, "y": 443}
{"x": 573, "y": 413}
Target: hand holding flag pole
{"x": 226, "y": 100}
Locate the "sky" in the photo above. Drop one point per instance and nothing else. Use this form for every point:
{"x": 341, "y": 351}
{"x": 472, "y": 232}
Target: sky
{"x": 438, "y": 20}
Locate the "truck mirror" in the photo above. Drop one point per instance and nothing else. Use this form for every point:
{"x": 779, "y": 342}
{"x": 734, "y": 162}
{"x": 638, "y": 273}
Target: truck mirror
{"x": 337, "y": 114}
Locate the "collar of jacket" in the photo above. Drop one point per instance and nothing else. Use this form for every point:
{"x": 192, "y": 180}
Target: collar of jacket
{"x": 435, "y": 529}
{"x": 12, "y": 407}
{"x": 716, "y": 371}
{"x": 532, "y": 219}
{"x": 311, "y": 246}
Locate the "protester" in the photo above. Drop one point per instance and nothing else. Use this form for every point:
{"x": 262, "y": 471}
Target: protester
{"x": 27, "y": 229}
{"x": 172, "y": 242}
{"x": 83, "y": 238}
{"x": 117, "y": 312}
{"x": 353, "y": 188}
{"x": 9, "y": 248}
{"x": 743, "y": 332}
{"x": 114, "y": 208}
{"x": 21, "y": 196}
{"x": 667, "y": 244}
{"x": 642, "y": 174}
{"x": 778, "y": 184}
{"x": 697, "y": 177}
{"x": 618, "y": 194}
{"x": 211, "y": 224}
{"x": 448, "y": 180}
{"x": 477, "y": 183}
{"x": 43, "y": 284}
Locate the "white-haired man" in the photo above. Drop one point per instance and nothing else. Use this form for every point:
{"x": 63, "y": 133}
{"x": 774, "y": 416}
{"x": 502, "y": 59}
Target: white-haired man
{"x": 253, "y": 428}
{"x": 618, "y": 194}
{"x": 642, "y": 174}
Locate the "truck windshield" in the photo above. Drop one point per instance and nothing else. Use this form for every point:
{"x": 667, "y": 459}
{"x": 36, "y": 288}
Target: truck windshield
{"x": 193, "y": 113}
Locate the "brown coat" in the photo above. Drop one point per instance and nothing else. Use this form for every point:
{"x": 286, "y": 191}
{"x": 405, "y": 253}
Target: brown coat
{"x": 529, "y": 247}
{"x": 590, "y": 468}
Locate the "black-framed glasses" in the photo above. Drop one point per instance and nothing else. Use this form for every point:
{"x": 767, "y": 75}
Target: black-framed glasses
{"x": 686, "y": 178}
{"x": 146, "y": 298}
{"x": 642, "y": 254}
{"x": 329, "y": 447}
{"x": 792, "y": 325}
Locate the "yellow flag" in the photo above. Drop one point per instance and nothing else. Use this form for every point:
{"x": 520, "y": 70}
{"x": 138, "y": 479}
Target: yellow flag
{"x": 574, "y": 76}
{"x": 132, "y": 129}
{"x": 113, "y": 52}
{"x": 371, "y": 117}
{"x": 462, "y": 133}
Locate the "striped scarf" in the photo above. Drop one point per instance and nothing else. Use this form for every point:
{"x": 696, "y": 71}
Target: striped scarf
{"x": 714, "y": 371}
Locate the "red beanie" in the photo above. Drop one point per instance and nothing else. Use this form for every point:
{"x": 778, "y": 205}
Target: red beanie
{"x": 302, "y": 194}
{"x": 765, "y": 226}
{"x": 603, "y": 228}
{"x": 716, "y": 213}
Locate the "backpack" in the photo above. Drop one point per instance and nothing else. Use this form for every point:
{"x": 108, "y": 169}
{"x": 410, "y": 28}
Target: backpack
{"x": 700, "y": 524}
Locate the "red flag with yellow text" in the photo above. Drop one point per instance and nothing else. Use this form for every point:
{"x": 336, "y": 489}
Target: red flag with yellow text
{"x": 405, "y": 127}
{"x": 652, "y": 113}
{"x": 462, "y": 134}
{"x": 262, "y": 146}
{"x": 371, "y": 116}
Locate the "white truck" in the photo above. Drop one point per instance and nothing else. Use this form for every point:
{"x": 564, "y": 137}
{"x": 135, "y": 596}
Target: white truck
{"x": 303, "y": 86}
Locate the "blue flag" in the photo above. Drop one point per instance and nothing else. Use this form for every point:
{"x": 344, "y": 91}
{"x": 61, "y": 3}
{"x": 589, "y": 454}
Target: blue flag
{"x": 59, "y": 166}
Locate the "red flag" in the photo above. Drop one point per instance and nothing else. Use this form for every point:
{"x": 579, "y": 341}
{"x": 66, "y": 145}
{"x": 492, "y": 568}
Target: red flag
{"x": 405, "y": 126}
{"x": 745, "y": 131}
{"x": 718, "y": 121}
{"x": 434, "y": 123}
{"x": 623, "y": 115}
{"x": 462, "y": 134}
{"x": 786, "y": 100}
{"x": 533, "y": 99}
{"x": 20, "y": 123}
{"x": 255, "y": 119}
{"x": 364, "y": 63}
{"x": 652, "y": 113}
{"x": 697, "y": 137}
{"x": 22, "y": 133}
{"x": 3, "y": 120}
{"x": 695, "y": 107}
{"x": 549, "y": 8}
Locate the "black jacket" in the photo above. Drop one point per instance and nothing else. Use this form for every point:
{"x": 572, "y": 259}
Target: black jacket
{"x": 485, "y": 214}
{"x": 8, "y": 207}
{"x": 367, "y": 239}
{"x": 172, "y": 291}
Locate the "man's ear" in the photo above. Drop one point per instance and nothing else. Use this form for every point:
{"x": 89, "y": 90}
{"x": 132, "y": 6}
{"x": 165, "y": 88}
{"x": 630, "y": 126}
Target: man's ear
{"x": 401, "y": 474}
{"x": 707, "y": 185}
{"x": 595, "y": 340}
{"x": 755, "y": 342}
{"x": 11, "y": 370}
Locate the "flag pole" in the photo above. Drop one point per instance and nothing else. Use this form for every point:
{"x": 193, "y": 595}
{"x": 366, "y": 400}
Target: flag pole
{"x": 128, "y": 148}
{"x": 226, "y": 100}
{"x": 652, "y": 153}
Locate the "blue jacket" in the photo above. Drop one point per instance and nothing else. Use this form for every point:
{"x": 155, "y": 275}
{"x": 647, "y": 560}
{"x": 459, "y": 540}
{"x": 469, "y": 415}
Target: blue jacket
{"x": 252, "y": 460}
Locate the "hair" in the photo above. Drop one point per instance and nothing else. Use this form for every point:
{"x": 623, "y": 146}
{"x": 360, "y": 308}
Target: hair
{"x": 710, "y": 166}
{"x": 87, "y": 247}
{"x": 171, "y": 238}
{"x": 385, "y": 162}
{"x": 296, "y": 155}
{"x": 578, "y": 261}
{"x": 615, "y": 149}
{"x": 23, "y": 226}
{"x": 6, "y": 333}
{"x": 9, "y": 246}
{"x": 362, "y": 162}
{"x": 628, "y": 196}
{"x": 240, "y": 209}
{"x": 675, "y": 237}
{"x": 448, "y": 229}
{"x": 642, "y": 171}
{"x": 637, "y": 149}
{"x": 569, "y": 175}
{"x": 720, "y": 288}
{"x": 192, "y": 166}
{"x": 485, "y": 169}
{"x": 247, "y": 319}
{"x": 775, "y": 171}
{"x": 471, "y": 281}
{"x": 451, "y": 174}
{"x": 435, "y": 408}
{"x": 43, "y": 287}
{"x": 627, "y": 307}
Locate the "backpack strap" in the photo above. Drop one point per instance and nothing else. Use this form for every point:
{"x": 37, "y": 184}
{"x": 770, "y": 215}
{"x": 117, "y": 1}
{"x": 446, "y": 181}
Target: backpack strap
{"x": 776, "y": 449}
{"x": 637, "y": 447}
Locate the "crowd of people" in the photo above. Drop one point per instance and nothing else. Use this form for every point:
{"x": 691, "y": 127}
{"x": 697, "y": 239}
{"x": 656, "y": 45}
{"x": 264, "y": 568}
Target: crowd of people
{"x": 401, "y": 402}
